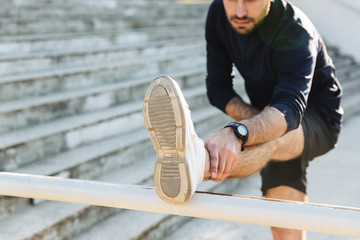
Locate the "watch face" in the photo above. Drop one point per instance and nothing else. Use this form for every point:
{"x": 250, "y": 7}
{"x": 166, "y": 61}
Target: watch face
{"x": 242, "y": 130}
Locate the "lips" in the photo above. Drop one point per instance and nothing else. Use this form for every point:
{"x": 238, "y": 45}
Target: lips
{"x": 241, "y": 23}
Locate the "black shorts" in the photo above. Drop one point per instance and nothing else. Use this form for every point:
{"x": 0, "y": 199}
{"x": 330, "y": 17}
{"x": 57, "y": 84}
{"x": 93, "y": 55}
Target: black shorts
{"x": 321, "y": 136}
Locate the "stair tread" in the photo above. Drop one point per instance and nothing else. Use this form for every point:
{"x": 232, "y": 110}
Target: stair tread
{"x": 35, "y": 132}
{"x": 101, "y": 49}
{"x": 56, "y": 164}
{"x": 131, "y": 223}
{"x": 26, "y": 218}
{"x": 66, "y": 160}
{"x": 27, "y": 103}
{"x": 90, "y": 68}
{"x": 84, "y": 34}
{"x": 71, "y": 122}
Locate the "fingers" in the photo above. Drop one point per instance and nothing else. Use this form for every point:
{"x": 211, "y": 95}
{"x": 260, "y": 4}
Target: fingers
{"x": 214, "y": 163}
{"x": 225, "y": 167}
{"x": 221, "y": 162}
{"x": 223, "y": 148}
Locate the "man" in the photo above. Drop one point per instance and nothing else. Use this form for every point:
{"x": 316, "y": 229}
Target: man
{"x": 294, "y": 113}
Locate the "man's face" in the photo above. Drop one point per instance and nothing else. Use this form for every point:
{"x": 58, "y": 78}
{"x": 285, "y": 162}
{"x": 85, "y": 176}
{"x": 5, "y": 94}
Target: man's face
{"x": 245, "y": 15}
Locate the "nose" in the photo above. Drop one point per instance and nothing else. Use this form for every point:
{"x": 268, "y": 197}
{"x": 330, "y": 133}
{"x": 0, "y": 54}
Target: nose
{"x": 241, "y": 10}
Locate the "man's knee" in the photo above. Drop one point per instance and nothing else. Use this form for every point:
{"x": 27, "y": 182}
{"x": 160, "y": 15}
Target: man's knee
{"x": 287, "y": 234}
{"x": 286, "y": 193}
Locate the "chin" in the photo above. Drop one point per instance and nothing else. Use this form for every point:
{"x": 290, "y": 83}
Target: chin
{"x": 244, "y": 31}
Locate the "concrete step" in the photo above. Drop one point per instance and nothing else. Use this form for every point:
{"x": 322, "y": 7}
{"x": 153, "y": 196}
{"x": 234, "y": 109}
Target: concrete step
{"x": 62, "y": 79}
{"x": 351, "y": 85}
{"x": 35, "y": 62}
{"x": 351, "y": 105}
{"x": 349, "y": 76}
{"x": 86, "y": 162}
{"x": 47, "y": 42}
{"x": 200, "y": 229}
{"x": 70, "y": 24}
{"x": 120, "y": 8}
{"x": 343, "y": 61}
{"x": 27, "y": 112}
{"x": 136, "y": 142}
{"x": 66, "y": 219}
{"x": 19, "y": 3}
{"x": 348, "y": 72}
{"x": 105, "y": 4}
{"x": 17, "y": 147}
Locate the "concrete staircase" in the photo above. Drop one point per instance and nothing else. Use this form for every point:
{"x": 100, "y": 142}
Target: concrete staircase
{"x": 73, "y": 74}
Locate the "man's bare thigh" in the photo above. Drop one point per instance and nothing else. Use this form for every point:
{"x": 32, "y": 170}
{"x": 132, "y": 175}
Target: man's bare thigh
{"x": 290, "y": 146}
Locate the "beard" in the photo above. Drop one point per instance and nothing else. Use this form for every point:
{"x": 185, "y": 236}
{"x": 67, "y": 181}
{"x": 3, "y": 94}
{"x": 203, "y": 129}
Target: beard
{"x": 243, "y": 30}
{"x": 253, "y": 22}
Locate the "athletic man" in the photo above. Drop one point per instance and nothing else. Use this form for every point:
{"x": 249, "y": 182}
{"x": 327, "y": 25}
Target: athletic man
{"x": 294, "y": 114}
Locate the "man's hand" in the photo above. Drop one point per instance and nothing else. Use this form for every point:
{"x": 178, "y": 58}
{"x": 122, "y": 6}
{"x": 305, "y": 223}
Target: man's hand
{"x": 224, "y": 149}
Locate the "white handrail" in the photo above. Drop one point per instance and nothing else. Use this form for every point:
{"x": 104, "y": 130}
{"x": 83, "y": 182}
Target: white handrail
{"x": 303, "y": 216}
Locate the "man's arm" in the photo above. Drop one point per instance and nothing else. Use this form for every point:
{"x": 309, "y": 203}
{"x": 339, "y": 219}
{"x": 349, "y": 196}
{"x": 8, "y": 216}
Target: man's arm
{"x": 219, "y": 65}
{"x": 239, "y": 110}
{"x": 263, "y": 126}
{"x": 224, "y": 147}
{"x": 266, "y": 126}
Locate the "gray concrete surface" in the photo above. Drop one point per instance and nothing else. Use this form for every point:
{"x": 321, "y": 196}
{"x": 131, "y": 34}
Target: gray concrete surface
{"x": 332, "y": 179}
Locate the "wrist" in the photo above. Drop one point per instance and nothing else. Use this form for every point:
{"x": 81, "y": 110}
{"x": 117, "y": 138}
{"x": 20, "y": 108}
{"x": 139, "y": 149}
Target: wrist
{"x": 240, "y": 131}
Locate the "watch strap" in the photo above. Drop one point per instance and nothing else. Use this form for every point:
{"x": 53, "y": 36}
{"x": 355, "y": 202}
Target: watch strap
{"x": 234, "y": 126}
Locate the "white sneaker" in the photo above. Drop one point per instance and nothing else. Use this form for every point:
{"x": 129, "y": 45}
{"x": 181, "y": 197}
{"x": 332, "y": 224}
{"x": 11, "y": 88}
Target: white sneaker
{"x": 180, "y": 163}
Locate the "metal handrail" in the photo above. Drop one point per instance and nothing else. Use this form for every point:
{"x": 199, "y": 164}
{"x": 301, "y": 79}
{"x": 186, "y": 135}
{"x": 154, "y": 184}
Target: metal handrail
{"x": 270, "y": 212}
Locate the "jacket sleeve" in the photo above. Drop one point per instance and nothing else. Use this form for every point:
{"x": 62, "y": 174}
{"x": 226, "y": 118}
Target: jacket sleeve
{"x": 219, "y": 79}
{"x": 296, "y": 69}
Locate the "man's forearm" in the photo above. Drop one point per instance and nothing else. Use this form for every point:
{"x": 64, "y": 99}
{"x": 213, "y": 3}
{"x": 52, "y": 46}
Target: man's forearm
{"x": 265, "y": 126}
{"x": 239, "y": 110}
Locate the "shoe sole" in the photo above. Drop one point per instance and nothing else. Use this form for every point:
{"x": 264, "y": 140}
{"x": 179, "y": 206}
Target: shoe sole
{"x": 164, "y": 119}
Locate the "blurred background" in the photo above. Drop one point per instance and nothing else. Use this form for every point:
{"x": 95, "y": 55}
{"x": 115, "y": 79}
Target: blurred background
{"x": 73, "y": 74}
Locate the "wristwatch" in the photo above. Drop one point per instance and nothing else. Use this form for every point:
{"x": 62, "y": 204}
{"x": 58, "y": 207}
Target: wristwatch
{"x": 240, "y": 131}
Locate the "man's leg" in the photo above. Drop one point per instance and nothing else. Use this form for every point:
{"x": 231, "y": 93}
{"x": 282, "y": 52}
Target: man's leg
{"x": 286, "y": 193}
{"x": 290, "y": 146}
{"x": 255, "y": 158}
